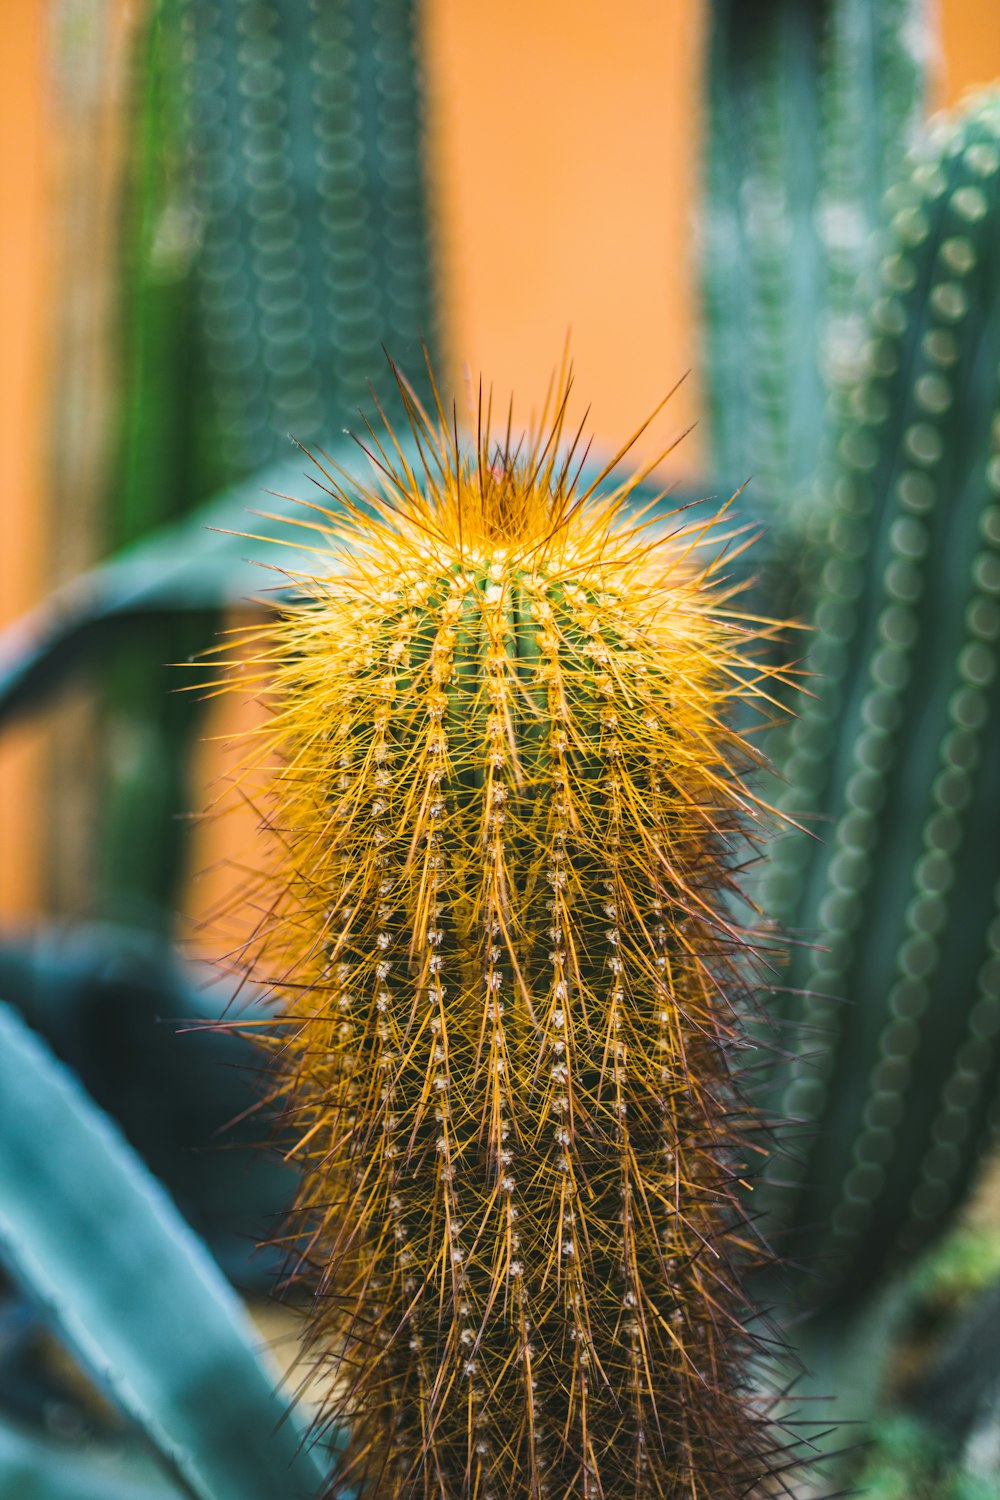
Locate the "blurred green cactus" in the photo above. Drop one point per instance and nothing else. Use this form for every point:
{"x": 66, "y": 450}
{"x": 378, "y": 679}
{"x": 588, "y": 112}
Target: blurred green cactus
{"x": 852, "y": 300}
{"x": 305, "y": 129}
{"x": 276, "y": 239}
{"x": 896, "y": 759}
{"x": 809, "y": 111}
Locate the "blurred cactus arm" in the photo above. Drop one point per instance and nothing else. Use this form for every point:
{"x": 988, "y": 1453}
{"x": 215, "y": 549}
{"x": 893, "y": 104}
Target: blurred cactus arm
{"x": 167, "y": 459}
{"x": 276, "y": 239}
{"x": 809, "y": 110}
{"x": 897, "y": 757}
{"x": 306, "y": 144}
{"x": 759, "y": 254}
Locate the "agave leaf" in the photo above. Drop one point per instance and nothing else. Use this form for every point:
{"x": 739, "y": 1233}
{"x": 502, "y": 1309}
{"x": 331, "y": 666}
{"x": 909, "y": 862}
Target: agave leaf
{"x": 33, "y": 1468}
{"x": 236, "y": 550}
{"x": 103, "y": 1251}
{"x": 197, "y": 565}
{"x": 119, "y": 1006}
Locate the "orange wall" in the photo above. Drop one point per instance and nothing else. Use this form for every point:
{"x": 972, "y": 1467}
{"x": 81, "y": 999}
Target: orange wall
{"x": 563, "y": 153}
{"x": 564, "y": 140}
{"x": 970, "y": 45}
{"x": 25, "y": 245}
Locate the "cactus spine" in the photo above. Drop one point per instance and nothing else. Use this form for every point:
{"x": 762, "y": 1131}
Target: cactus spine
{"x": 508, "y": 807}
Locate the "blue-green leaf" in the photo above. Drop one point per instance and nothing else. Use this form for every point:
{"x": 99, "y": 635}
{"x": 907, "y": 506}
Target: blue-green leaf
{"x": 33, "y": 1468}
{"x": 101, "y": 1248}
{"x": 207, "y": 562}
{"x": 136, "y": 1025}
{"x": 197, "y": 565}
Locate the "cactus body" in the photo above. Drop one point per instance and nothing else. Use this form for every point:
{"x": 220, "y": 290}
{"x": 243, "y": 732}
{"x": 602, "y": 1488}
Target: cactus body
{"x": 307, "y": 185}
{"x": 810, "y": 109}
{"x": 509, "y": 816}
{"x": 277, "y": 239}
{"x": 897, "y": 756}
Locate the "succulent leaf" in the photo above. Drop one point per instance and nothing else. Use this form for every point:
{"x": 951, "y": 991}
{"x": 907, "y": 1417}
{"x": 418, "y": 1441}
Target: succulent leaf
{"x": 101, "y": 1249}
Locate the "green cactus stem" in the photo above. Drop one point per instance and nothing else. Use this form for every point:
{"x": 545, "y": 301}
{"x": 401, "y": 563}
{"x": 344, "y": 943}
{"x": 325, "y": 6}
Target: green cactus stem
{"x": 897, "y": 757}
{"x": 504, "y": 789}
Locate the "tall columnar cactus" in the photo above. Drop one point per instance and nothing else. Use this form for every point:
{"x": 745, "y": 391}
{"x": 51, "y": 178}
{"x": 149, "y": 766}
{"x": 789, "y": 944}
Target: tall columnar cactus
{"x": 277, "y": 238}
{"x": 506, "y": 798}
{"x": 897, "y": 756}
{"x": 810, "y": 110}
{"x": 305, "y": 123}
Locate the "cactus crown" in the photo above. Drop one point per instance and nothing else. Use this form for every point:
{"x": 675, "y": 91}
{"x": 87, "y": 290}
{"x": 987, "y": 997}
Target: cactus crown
{"x": 509, "y": 814}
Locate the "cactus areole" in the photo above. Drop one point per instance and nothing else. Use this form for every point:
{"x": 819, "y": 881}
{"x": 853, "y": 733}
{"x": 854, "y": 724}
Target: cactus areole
{"x": 503, "y": 780}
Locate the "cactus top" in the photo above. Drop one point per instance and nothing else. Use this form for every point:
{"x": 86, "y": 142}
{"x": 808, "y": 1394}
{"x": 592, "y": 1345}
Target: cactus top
{"x": 508, "y": 821}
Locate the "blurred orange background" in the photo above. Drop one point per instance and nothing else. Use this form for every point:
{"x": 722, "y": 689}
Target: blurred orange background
{"x": 563, "y": 143}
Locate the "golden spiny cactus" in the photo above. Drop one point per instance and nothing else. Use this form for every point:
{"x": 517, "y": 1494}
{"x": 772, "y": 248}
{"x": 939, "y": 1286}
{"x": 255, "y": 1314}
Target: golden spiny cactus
{"x": 509, "y": 814}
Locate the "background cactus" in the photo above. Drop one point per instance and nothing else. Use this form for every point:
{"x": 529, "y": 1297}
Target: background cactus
{"x": 508, "y": 817}
{"x": 810, "y": 110}
{"x": 305, "y": 130}
{"x": 850, "y": 347}
{"x": 897, "y": 756}
{"x": 276, "y": 240}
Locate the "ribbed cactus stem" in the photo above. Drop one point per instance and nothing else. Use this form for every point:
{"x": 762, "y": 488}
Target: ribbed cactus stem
{"x": 509, "y": 814}
{"x": 894, "y": 760}
{"x": 810, "y": 109}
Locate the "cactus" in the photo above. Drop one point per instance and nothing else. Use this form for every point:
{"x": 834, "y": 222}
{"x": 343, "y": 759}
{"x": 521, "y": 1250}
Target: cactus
{"x": 810, "y": 108}
{"x": 508, "y": 817}
{"x": 897, "y": 755}
{"x": 276, "y": 238}
{"x": 306, "y": 133}
{"x": 166, "y": 461}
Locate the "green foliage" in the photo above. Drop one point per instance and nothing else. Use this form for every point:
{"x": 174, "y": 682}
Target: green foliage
{"x": 105, "y": 1255}
{"x": 907, "y": 1461}
{"x": 932, "y": 1420}
{"x": 968, "y": 1262}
